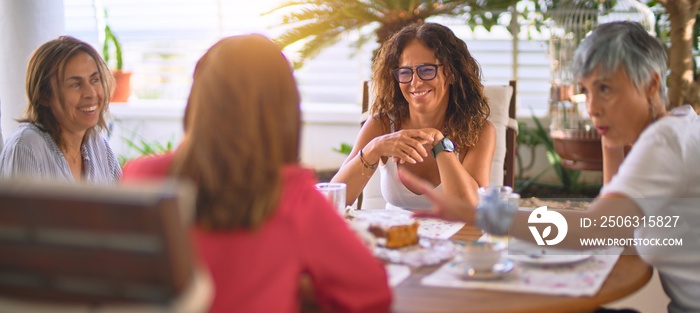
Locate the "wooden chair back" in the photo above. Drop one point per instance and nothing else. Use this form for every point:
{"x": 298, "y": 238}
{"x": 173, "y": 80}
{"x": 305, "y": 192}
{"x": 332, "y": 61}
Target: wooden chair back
{"x": 94, "y": 244}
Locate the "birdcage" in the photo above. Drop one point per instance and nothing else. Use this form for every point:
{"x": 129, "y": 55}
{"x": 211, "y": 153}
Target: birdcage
{"x": 571, "y": 21}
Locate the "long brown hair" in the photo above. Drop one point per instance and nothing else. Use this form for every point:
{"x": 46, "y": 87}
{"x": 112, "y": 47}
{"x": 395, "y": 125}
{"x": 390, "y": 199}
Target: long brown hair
{"x": 242, "y": 125}
{"x": 45, "y": 72}
{"x": 467, "y": 107}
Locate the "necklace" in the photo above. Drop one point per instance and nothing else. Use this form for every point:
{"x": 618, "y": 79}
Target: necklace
{"x": 72, "y": 158}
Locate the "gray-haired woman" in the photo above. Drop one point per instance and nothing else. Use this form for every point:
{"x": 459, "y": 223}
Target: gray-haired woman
{"x": 654, "y": 191}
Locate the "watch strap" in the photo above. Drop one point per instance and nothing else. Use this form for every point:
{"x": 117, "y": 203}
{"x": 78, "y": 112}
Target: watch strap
{"x": 442, "y": 145}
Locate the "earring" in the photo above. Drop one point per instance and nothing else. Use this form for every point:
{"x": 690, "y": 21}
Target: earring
{"x": 652, "y": 110}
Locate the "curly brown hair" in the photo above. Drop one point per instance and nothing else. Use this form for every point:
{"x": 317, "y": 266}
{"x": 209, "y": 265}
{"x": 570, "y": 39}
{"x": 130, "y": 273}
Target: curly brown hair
{"x": 467, "y": 107}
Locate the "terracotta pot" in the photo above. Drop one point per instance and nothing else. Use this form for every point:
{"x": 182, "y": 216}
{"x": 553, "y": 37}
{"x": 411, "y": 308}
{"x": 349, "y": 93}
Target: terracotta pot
{"x": 122, "y": 91}
{"x": 579, "y": 149}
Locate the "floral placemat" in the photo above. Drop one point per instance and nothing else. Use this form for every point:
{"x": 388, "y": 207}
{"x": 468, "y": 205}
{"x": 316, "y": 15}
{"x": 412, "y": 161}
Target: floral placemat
{"x": 429, "y": 227}
{"x": 578, "y": 279}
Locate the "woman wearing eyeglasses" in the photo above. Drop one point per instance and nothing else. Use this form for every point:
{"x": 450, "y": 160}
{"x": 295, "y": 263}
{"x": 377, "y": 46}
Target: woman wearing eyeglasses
{"x": 428, "y": 116}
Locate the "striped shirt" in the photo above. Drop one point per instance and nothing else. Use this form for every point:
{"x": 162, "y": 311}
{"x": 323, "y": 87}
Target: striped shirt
{"x": 31, "y": 153}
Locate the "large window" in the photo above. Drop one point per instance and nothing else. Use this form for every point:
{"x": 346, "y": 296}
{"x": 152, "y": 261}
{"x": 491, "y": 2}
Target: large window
{"x": 162, "y": 40}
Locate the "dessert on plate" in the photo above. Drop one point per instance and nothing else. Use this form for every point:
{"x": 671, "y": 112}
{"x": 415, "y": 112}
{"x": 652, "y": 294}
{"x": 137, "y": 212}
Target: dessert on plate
{"x": 391, "y": 230}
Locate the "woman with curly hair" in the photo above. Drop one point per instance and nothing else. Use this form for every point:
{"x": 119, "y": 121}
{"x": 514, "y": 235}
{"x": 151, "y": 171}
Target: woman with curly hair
{"x": 428, "y": 116}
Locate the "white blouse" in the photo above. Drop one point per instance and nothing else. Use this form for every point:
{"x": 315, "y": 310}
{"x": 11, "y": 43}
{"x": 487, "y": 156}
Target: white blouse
{"x": 394, "y": 191}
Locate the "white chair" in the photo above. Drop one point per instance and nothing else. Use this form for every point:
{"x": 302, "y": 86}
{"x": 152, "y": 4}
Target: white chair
{"x": 502, "y": 102}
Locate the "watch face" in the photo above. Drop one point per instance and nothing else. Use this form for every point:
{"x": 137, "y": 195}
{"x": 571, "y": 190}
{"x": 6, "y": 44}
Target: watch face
{"x": 449, "y": 146}
{"x": 444, "y": 145}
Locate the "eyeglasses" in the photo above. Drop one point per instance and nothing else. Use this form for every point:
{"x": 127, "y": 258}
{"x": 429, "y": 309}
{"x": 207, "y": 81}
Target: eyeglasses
{"x": 404, "y": 74}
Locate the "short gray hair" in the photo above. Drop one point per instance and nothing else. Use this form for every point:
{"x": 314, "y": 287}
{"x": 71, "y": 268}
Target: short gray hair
{"x": 625, "y": 44}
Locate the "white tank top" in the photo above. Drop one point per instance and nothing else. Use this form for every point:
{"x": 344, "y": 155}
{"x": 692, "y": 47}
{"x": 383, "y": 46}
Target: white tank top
{"x": 394, "y": 191}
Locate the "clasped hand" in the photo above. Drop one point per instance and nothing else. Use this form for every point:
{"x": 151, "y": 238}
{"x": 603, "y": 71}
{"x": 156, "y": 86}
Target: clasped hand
{"x": 407, "y": 145}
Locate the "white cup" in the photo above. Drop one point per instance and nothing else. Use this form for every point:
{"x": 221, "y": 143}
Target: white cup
{"x": 481, "y": 256}
{"x": 335, "y": 193}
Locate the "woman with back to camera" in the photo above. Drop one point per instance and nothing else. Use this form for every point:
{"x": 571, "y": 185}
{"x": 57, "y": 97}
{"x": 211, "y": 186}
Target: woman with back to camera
{"x": 261, "y": 226}
{"x": 654, "y": 189}
{"x": 59, "y": 138}
{"x": 428, "y": 117}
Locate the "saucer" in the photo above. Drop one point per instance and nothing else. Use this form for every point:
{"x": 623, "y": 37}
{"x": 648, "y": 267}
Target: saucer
{"x": 499, "y": 270}
{"x": 428, "y": 251}
{"x": 549, "y": 259}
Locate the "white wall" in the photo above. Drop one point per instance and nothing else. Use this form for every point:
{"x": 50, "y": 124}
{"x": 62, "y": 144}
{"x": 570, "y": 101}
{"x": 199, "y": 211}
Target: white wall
{"x": 24, "y": 25}
{"x": 324, "y": 127}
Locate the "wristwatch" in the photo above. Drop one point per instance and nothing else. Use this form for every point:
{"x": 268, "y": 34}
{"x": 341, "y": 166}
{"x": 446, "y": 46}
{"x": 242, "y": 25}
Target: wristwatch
{"x": 443, "y": 145}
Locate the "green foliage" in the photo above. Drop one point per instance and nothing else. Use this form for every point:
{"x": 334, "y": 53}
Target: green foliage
{"x": 143, "y": 148}
{"x": 112, "y": 43}
{"x": 568, "y": 179}
{"x": 345, "y": 148}
{"x": 526, "y": 138}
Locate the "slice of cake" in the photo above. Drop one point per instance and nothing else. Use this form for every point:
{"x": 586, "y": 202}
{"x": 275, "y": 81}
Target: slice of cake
{"x": 396, "y": 236}
{"x": 392, "y": 229}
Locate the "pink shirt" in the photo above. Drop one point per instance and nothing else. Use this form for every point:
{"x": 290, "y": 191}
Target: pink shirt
{"x": 259, "y": 271}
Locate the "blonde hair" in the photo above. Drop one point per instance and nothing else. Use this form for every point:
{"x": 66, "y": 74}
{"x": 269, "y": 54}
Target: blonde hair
{"x": 45, "y": 72}
{"x": 242, "y": 124}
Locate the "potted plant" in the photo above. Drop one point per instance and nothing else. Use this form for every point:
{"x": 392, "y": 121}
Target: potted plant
{"x": 112, "y": 51}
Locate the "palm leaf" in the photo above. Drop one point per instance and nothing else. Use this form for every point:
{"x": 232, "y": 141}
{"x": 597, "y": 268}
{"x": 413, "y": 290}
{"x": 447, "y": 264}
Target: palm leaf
{"x": 293, "y": 3}
{"x": 362, "y": 12}
{"x": 390, "y": 4}
{"x": 314, "y": 46}
{"x": 321, "y": 22}
{"x": 308, "y": 30}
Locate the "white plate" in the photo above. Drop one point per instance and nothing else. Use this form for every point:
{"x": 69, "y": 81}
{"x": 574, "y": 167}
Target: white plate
{"x": 551, "y": 259}
{"x": 500, "y": 269}
{"x": 428, "y": 251}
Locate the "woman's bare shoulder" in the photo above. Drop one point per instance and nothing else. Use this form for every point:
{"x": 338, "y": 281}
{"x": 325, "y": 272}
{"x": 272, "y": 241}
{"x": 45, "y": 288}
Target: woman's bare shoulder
{"x": 377, "y": 124}
{"x": 487, "y": 129}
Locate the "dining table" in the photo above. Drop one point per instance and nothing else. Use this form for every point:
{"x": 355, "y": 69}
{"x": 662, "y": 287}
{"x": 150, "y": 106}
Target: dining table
{"x": 629, "y": 274}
